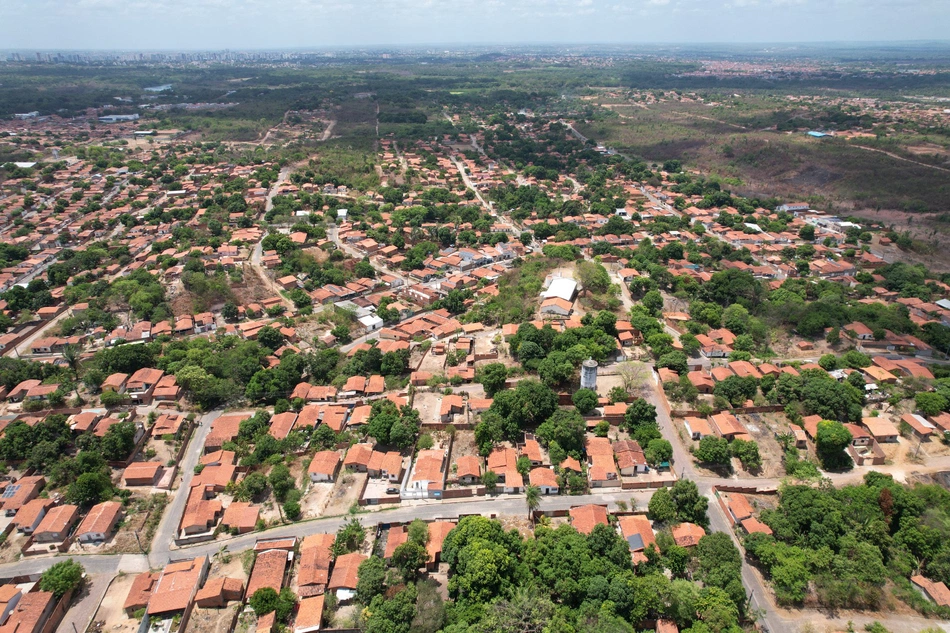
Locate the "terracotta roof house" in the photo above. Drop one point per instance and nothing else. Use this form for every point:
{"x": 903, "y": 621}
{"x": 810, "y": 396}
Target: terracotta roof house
{"x": 532, "y": 450}
{"x": 810, "y": 423}
{"x": 9, "y": 597}
{"x": 937, "y": 592}
{"x": 141, "y": 384}
{"x": 215, "y": 477}
{"x": 630, "y": 457}
{"x": 84, "y": 421}
{"x": 19, "y": 391}
{"x": 269, "y": 570}
{"x": 175, "y": 589}
{"x": 218, "y": 592}
{"x": 753, "y": 526}
{"x": 30, "y": 514}
{"x": 396, "y": 537}
{"x": 282, "y": 424}
{"x": 921, "y": 426}
{"x": 142, "y": 473}
{"x": 687, "y": 534}
{"x": 544, "y": 479}
{"x": 697, "y": 428}
{"x": 358, "y": 456}
{"x": 451, "y": 406}
{"x": 115, "y": 383}
{"x": 167, "y": 424}
{"x": 585, "y": 518}
{"x": 739, "y": 507}
{"x": 17, "y": 493}
{"x": 638, "y": 533}
{"x": 140, "y": 592}
{"x": 313, "y": 572}
{"x": 200, "y": 514}
{"x": 324, "y": 466}
{"x": 438, "y": 530}
{"x": 223, "y": 429}
{"x": 468, "y": 469}
{"x": 727, "y": 425}
{"x": 881, "y": 429}
{"x": 344, "y": 576}
{"x": 99, "y": 523}
{"x": 31, "y": 613}
{"x": 240, "y": 517}
{"x": 309, "y": 614}
{"x": 571, "y": 464}
{"x": 429, "y": 471}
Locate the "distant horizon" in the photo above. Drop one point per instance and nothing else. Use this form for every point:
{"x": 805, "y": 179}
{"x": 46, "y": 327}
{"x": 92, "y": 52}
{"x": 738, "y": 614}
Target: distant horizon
{"x": 153, "y": 25}
{"x": 456, "y": 46}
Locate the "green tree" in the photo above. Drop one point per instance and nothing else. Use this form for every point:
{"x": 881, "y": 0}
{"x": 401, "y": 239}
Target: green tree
{"x": 653, "y": 302}
{"x": 713, "y": 450}
{"x": 281, "y": 481}
{"x": 639, "y": 413}
{"x": 90, "y": 489}
{"x": 747, "y": 452}
{"x": 418, "y": 532}
{"x": 230, "y": 312}
{"x": 264, "y": 601}
{"x": 830, "y": 442}
{"x": 61, "y": 578}
{"x": 349, "y": 538}
{"x": 371, "y": 579}
{"x": 119, "y": 441}
{"x": 566, "y": 429}
{"x": 658, "y": 452}
{"x": 585, "y": 400}
{"x": 930, "y": 403}
{"x": 270, "y": 337}
{"x": 532, "y": 499}
{"x": 408, "y": 558}
{"x": 490, "y": 481}
{"x": 661, "y": 507}
{"x": 492, "y": 377}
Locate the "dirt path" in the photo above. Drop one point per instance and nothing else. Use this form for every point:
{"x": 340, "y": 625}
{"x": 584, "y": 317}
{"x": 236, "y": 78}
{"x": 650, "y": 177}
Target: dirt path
{"x": 906, "y": 160}
{"x": 258, "y": 269}
{"x": 327, "y": 133}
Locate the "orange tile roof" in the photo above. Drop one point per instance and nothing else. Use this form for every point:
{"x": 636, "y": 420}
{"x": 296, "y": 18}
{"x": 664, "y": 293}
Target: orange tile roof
{"x": 397, "y": 536}
{"x": 268, "y": 571}
{"x": 637, "y": 524}
{"x": 687, "y": 534}
{"x": 141, "y": 591}
{"x": 177, "y": 586}
{"x": 315, "y": 559}
{"x": 101, "y": 518}
{"x": 937, "y": 591}
{"x": 58, "y": 520}
{"x": 438, "y": 530}
{"x": 241, "y": 515}
{"x": 346, "y": 571}
{"x": 585, "y": 518}
{"x": 309, "y": 613}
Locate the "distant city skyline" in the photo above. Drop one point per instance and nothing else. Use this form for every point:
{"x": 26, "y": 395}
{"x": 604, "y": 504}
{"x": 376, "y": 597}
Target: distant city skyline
{"x": 134, "y": 25}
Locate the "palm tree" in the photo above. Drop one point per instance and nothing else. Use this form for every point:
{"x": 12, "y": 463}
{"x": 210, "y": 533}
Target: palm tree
{"x": 71, "y": 356}
{"x": 532, "y": 498}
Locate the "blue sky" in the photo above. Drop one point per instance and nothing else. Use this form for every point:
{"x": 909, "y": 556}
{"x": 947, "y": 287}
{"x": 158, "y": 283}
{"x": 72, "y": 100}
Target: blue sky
{"x": 255, "y": 24}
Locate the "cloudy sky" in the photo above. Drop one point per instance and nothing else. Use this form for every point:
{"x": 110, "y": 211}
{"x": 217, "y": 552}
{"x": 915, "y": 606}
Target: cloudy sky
{"x": 255, "y": 24}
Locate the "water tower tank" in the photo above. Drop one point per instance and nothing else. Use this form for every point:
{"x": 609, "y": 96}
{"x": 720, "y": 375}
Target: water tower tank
{"x": 589, "y": 374}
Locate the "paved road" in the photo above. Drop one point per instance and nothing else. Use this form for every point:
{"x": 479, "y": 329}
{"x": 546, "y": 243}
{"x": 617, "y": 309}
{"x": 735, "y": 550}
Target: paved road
{"x": 165, "y": 534}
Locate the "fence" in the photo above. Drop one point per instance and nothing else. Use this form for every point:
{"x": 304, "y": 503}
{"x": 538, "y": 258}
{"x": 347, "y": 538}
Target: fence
{"x": 771, "y": 408}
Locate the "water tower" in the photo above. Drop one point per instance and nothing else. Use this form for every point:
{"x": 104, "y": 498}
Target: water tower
{"x": 589, "y": 374}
